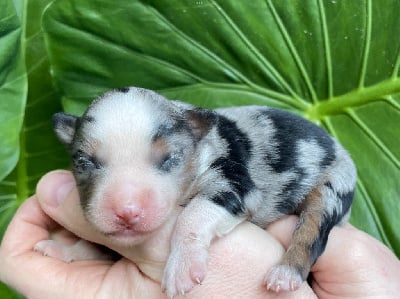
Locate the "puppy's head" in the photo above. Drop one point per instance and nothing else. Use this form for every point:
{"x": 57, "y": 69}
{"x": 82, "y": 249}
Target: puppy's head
{"x": 132, "y": 154}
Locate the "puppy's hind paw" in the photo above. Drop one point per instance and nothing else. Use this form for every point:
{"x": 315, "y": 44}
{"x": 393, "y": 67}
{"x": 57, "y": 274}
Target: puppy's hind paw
{"x": 283, "y": 278}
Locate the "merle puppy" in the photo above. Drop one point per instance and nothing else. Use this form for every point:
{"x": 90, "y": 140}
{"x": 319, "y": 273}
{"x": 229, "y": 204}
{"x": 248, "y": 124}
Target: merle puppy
{"x": 149, "y": 169}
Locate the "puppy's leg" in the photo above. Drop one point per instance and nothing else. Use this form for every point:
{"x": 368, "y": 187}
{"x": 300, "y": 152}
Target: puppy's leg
{"x": 80, "y": 250}
{"x": 200, "y": 222}
{"x": 321, "y": 210}
{"x": 296, "y": 262}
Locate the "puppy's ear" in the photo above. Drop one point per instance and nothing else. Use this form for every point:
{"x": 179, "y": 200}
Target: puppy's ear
{"x": 200, "y": 121}
{"x": 65, "y": 126}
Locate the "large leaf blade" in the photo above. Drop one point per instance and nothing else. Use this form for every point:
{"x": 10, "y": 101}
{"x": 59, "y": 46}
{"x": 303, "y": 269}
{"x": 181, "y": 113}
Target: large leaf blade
{"x": 13, "y": 87}
{"x": 37, "y": 150}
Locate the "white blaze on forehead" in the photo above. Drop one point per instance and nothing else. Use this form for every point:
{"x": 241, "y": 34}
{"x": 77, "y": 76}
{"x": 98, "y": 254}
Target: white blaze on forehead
{"x": 122, "y": 112}
{"x": 123, "y": 125}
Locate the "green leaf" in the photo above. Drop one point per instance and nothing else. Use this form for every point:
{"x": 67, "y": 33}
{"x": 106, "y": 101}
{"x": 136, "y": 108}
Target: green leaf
{"x": 13, "y": 87}
{"x": 28, "y": 147}
{"x": 335, "y": 62}
{"x": 6, "y": 293}
{"x": 36, "y": 148}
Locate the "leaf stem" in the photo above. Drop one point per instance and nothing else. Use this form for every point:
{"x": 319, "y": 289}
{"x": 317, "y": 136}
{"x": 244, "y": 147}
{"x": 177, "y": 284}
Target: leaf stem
{"x": 356, "y": 98}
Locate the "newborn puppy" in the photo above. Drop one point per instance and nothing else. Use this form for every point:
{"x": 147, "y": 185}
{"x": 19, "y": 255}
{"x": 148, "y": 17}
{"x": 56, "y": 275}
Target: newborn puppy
{"x": 143, "y": 163}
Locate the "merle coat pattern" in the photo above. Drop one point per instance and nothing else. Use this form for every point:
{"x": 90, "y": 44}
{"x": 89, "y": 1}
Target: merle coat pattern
{"x": 137, "y": 157}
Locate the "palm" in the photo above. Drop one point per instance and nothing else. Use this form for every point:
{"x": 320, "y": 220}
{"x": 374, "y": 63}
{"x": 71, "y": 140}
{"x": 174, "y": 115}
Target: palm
{"x": 355, "y": 265}
{"x": 99, "y": 279}
{"x": 52, "y": 277}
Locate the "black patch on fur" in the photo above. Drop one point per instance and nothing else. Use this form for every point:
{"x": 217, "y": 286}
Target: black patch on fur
{"x": 85, "y": 168}
{"x": 290, "y": 129}
{"x": 347, "y": 200}
{"x": 62, "y": 119}
{"x": 65, "y": 126}
{"x": 329, "y": 185}
{"x": 318, "y": 247}
{"x": 122, "y": 89}
{"x": 164, "y": 131}
{"x": 234, "y": 166}
{"x": 85, "y": 188}
{"x": 84, "y": 162}
{"x": 88, "y": 118}
{"x": 230, "y": 201}
{"x": 328, "y": 222}
{"x": 291, "y": 191}
{"x": 176, "y": 126}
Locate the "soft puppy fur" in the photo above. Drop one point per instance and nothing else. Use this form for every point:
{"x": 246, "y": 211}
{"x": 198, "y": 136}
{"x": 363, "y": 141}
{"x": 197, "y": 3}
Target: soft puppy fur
{"x": 141, "y": 161}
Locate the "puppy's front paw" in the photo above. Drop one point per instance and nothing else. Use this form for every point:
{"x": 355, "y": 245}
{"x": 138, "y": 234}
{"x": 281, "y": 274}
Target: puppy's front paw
{"x": 56, "y": 250}
{"x": 283, "y": 278}
{"x": 185, "y": 269}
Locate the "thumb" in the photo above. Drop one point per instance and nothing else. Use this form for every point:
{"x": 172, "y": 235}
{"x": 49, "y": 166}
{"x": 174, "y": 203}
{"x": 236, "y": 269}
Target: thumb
{"x": 282, "y": 229}
{"x": 59, "y": 198}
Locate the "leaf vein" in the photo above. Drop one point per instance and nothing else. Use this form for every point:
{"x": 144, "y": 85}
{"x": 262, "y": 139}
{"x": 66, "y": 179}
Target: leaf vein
{"x": 132, "y": 51}
{"x": 10, "y": 204}
{"x": 256, "y": 52}
{"x": 293, "y": 51}
{"x": 393, "y": 102}
{"x": 213, "y": 56}
{"x": 367, "y": 44}
{"x": 372, "y": 210}
{"x": 373, "y": 137}
{"x": 278, "y": 97}
{"x": 8, "y": 183}
{"x": 327, "y": 48}
{"x": 7, "y": 197}
{"x": 39, "y": 100}
{"x": 219, "y": 60}
{"x": 396, "y": 67}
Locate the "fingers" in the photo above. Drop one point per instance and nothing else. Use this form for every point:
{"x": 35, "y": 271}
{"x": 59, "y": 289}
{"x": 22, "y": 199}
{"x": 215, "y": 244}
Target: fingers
{"x": 37, "y": 276}
{"x": 282, "y": 229}
{"x": 29, "y": 225}
{"x": 355, "y": 264}
{"x": 20, "y": 265}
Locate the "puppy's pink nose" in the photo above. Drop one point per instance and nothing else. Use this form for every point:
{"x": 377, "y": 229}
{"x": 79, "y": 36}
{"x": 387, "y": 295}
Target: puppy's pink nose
{"x": 129, "y": 214}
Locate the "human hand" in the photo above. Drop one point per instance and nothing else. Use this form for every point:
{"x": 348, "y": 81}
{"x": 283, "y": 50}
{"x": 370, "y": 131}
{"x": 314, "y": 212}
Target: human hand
{"x": 237, "y": 262}
{"x": 36, "y": 276}
{"x": 353, "y": 265}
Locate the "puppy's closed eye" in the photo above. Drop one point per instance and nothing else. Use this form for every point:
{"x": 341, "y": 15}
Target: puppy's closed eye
{"x": 84, "y": 162}
{"x": 171, "y": 160}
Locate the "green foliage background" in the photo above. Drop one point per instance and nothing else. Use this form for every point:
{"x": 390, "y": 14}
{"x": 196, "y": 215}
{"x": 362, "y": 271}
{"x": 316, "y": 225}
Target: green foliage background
{"x": 336, "y": 62}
